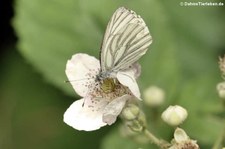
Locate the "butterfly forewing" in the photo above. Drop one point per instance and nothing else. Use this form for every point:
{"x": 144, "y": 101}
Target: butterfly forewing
{"x": 126, "y": 39}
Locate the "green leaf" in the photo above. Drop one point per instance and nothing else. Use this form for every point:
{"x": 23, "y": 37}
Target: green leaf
{"x": 50, "y": 32}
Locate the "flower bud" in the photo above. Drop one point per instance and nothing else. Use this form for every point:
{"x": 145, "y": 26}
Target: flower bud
{"x": 174, "y": 115}
{"x": 134, "y": 118}
{"x": 130, "y": 112}
{"x": 221, "y": 90}
{"x": 182, "y": 141}
{"x": 154, "y": 96}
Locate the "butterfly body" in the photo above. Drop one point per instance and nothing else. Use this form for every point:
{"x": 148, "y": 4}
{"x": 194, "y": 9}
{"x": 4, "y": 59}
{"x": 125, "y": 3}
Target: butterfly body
{"x": 104, "y": 75}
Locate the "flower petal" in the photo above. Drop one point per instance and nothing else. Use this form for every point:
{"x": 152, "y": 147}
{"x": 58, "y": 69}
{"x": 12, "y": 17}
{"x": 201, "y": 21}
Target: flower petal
{"x": 180, "y": 135}
{"x": 81, "y": 71}
{"x": 114, "y": 108}
{"x": 127, "y": 78}
{"x": 82, "y": 115}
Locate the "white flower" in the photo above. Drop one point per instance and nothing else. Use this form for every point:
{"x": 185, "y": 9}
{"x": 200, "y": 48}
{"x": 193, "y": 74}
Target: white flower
{"x": 182, "y": 141}
{"x": 174, "y": 115}
{"x": 102, "y": 101}
{"x": 154, "y": 96}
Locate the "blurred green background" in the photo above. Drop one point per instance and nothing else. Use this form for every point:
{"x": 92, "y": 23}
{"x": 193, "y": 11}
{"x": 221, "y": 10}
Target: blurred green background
{"x": 183, "y": 60}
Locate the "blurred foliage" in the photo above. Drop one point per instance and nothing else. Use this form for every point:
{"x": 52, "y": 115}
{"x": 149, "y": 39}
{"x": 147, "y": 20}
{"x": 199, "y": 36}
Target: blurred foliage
{"x": 31, "y": 111}
{"x": 182, "y": 60}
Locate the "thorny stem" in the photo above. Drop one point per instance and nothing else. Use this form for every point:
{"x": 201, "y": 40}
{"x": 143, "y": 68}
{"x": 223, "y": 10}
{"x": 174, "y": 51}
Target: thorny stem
{"x": 161, "y": 143}
{"x": 220, "y": 140}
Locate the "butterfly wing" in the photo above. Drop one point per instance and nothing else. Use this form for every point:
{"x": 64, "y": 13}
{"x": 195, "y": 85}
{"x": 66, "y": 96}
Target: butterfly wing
{"x": 126, "y": 39}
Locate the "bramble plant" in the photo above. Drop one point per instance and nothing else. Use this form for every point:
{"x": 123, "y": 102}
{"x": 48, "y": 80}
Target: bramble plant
{"x": 133, "y": 96}
{"x": 104, "y": 101}
{"x": 115, "y": 92}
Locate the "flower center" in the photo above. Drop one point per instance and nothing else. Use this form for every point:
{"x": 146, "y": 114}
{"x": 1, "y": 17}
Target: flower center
{"x": 108, "y": 85}
{"x": 109, "y": 89}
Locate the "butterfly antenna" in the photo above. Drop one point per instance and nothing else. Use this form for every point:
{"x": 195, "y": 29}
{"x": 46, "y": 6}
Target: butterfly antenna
{"x": 68, "y": 81}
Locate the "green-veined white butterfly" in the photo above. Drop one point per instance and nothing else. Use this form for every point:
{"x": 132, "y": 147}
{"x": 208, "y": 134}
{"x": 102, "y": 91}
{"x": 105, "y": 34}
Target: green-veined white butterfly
{"x": 126, "y": 39}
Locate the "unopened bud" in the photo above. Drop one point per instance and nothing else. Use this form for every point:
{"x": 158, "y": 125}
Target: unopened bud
{"x": 154, "y": 96}
{"x": 182, "y": 141}
{"x": 130, "y": 112}
{"x": 221, "y": 90}
{"x": 174, "y": 115}
{"x": 134, "y": 118}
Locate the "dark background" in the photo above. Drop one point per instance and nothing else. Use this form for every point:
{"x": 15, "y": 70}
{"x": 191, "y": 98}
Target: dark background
{"x": 7, "y": 34}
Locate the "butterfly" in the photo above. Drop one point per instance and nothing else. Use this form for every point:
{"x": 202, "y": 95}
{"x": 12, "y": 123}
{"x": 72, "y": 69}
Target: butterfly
{"x": 126, "y": 39}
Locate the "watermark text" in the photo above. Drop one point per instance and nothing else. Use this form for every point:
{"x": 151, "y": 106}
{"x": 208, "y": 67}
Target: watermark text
{"x": 202, "y": 4}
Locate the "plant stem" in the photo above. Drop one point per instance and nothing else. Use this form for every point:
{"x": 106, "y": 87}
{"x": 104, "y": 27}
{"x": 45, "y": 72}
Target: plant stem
{"x": 161, "y": 143}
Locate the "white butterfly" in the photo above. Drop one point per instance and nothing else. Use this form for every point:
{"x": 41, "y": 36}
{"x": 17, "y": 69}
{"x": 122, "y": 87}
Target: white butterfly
{"x": 126, "y": 39}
